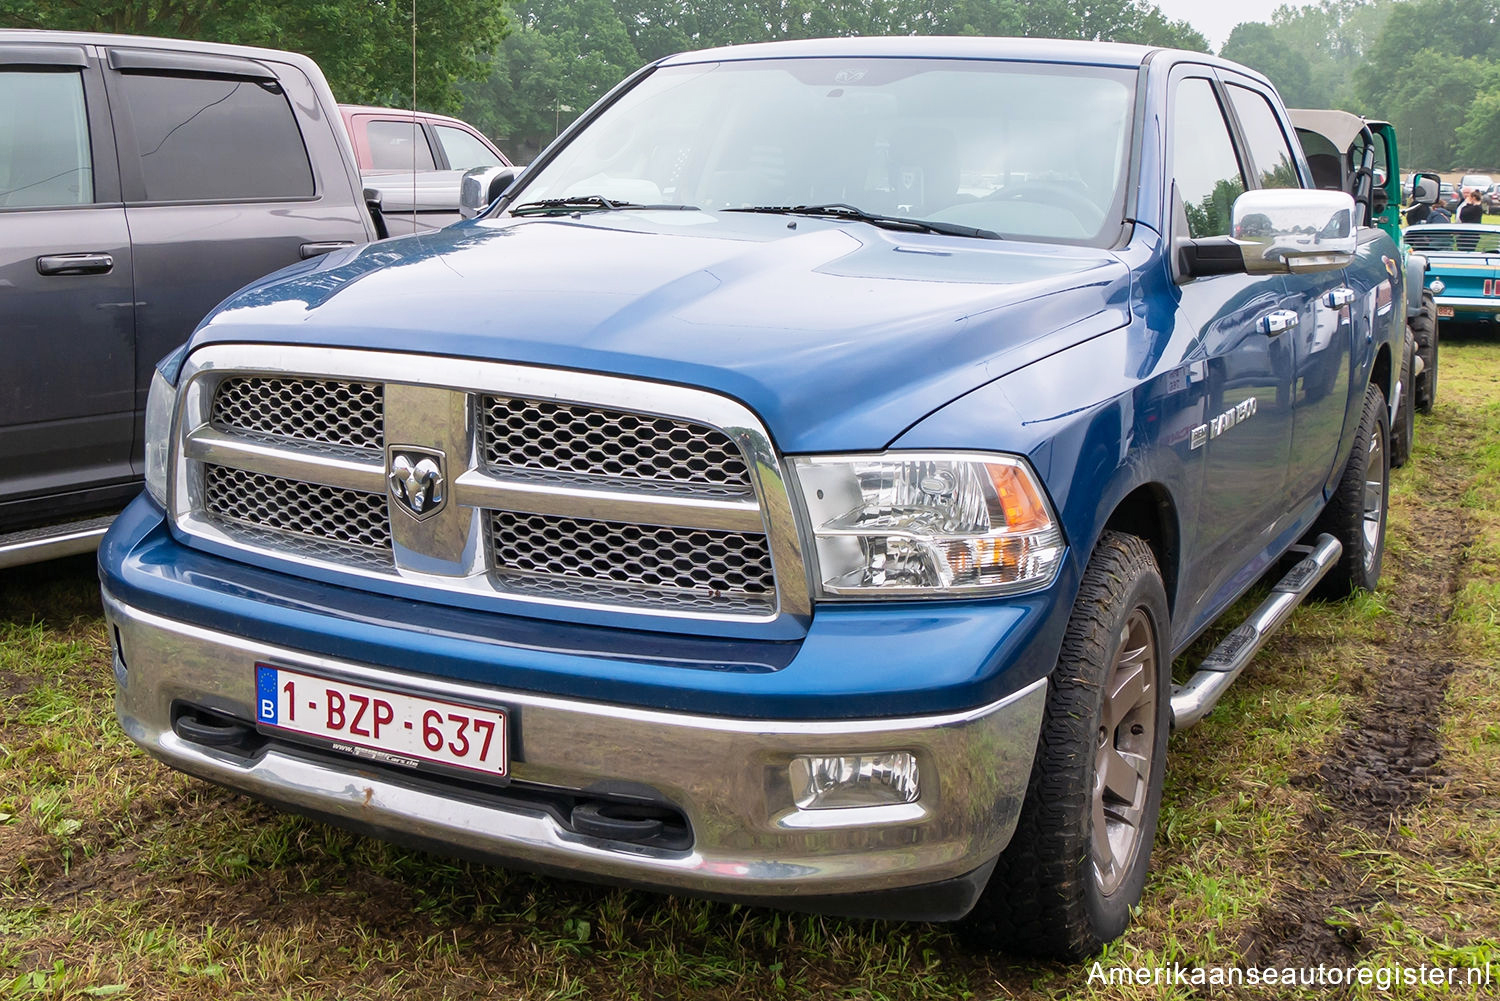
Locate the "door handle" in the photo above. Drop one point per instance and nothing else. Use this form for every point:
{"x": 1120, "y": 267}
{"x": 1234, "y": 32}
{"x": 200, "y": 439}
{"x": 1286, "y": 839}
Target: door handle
{"x": 75, "y": 264}
{"x": 1275, "y": 322}
{"x": 315, "y": 249}
{"x": 1338, "y": 298}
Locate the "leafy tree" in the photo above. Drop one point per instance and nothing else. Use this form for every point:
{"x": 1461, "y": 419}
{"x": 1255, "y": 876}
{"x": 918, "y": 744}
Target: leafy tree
{"x": 1479, "y": 135}
{"x": 1430, "y": 62}
{"x": 1260, "y": 47}
{"x": 364, "y": 48}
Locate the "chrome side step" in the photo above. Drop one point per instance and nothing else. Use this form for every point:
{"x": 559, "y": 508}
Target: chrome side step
{"x": 1195, "y": 699}
{"x": 33, "y": 545}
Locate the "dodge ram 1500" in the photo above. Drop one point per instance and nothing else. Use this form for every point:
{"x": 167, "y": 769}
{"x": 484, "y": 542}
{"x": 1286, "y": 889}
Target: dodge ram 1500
{"x": 794, "y": 488}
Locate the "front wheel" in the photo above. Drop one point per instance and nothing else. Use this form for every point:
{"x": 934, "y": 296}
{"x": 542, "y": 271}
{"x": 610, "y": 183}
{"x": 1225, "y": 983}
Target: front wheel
{"x": 1076, "y": 865}
{"x": 1357, "y": 511}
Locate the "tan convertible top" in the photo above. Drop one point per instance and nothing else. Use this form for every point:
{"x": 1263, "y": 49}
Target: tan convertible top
{"x": 1340, "y": 127}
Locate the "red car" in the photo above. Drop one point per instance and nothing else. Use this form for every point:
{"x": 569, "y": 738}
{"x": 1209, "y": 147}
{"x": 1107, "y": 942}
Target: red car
{"x": 392, "y": 138}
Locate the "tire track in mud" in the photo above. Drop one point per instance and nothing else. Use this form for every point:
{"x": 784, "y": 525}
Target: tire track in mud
{"x": 1389, "y": 755}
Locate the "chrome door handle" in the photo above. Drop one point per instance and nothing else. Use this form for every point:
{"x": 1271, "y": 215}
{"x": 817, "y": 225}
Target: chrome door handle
{"x": 1275, "y": 322}
{"x": 314, "y": 249}
{"x": 75, "y": 264}
{"x": 1338, "y": 298}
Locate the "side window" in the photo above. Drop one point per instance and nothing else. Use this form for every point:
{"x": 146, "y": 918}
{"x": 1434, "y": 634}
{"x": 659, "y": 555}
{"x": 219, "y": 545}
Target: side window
{"x": 212, "y": 138}
{"x": 1204, "y": 163}
{"x": 44, "y": 140}
{"x": 463, "y": 150}
{"x": 1275, "y": 167}
{"x": 392, "y": 145}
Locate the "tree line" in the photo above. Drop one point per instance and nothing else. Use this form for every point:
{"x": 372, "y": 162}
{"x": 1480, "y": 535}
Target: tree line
{"x": 562, "y": 55}
{"x": 1429, "y": 67}
{"x": 520, "y": 72}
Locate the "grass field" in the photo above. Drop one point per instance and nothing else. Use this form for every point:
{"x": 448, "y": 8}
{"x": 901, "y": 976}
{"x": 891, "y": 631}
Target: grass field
{"x": 1342, "y": 805}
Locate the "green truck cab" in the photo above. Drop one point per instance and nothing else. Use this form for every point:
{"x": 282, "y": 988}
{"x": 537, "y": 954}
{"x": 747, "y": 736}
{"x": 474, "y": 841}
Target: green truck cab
{"x": 1348, "y": 153}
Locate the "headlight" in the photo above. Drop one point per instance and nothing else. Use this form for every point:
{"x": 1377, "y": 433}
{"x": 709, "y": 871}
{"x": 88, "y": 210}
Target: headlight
{"x": 159, "y": 406}
{"x": 932, "y": 524}
{"x": 1437, "y": 286}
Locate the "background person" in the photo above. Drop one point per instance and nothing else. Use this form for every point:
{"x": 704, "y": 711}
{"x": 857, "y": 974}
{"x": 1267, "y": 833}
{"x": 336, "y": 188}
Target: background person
{"x": 1471, "y": 211}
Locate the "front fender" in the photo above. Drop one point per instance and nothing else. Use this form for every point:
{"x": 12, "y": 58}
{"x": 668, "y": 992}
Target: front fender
{"x": 1097, "y": 421}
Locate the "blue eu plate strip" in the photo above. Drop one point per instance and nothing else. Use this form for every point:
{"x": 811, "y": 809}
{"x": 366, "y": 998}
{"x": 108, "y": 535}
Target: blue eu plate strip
{"x": 265, "y": 694}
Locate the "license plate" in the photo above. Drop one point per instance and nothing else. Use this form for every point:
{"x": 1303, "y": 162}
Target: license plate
{"x": 1445, "y": 311}
{"x": 379, "y": 725}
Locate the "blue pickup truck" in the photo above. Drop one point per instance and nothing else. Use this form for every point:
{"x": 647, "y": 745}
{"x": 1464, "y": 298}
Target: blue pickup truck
{"x": 793, "y": 489}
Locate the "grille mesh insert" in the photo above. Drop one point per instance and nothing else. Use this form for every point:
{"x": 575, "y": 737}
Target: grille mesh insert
{"x": 671, "y": 565}
{"x": 591, "y": 441}
{"x": 327, "y": 515}
{"x": 348, "y": 414}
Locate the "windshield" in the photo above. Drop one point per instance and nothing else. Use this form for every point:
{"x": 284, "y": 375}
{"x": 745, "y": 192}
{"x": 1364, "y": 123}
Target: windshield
{"x": 1026, "y": 150}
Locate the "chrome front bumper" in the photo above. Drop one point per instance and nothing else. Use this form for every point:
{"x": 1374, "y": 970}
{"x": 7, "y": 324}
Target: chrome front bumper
{"x": 729, "y": 777}
{"x": 1469, "y": 305}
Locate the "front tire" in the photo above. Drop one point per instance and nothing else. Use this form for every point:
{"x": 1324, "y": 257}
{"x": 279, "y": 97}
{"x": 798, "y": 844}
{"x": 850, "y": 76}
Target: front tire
{"x": 1356, "y": 514}
{"x": 1076, "y": 865}
{"x": 1424, "y": 329}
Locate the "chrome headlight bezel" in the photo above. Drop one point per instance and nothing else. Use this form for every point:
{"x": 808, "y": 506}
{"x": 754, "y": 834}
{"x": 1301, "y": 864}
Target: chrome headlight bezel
{"x": 1035, "y": 544}
{"x": 161, "y": 404}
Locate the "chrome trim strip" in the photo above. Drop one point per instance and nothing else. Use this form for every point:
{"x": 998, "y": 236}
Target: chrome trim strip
{"x": 206, "y": 444}
{"x": 50, "y": 542}
{"x": 1476, "y": 304}
{"x": 478, "y": 488}
{"x": 206, "y": 366}
{"x": 727, "y": 775}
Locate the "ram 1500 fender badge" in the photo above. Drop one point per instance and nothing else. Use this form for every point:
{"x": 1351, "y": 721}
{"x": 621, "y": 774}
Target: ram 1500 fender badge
{"x": 417, "y": 480}
{"x": 1237, "y": 414}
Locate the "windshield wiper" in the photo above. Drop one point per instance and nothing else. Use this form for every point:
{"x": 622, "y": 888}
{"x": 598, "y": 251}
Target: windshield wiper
{"x": 594, "y": 203}
{"x": 839, "y": 210}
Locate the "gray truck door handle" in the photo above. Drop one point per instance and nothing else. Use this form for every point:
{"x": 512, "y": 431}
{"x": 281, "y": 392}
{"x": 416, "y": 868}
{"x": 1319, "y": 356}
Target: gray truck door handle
{"x": 75, "y": 264}
{"x": 314, "y": 249}
{"x": 1339, "y": 297}
{"x": 1275, "y": 322}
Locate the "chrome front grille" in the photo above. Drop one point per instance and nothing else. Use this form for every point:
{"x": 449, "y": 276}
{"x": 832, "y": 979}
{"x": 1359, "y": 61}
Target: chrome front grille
{"x": 648, "y": 499}
{"x": 348, "y": 414}
{"x": 517, "y": 434}
{"x": 660, "y": 563}
{"x": 333, "y": 517}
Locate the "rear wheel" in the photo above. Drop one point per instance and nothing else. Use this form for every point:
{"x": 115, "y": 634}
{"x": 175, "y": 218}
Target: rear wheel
{"x": 1424, "y": 329}
{"x": 1406, "y": 412}
{"x": 1077, "y": 862}
{"x": 1356, "y": 513}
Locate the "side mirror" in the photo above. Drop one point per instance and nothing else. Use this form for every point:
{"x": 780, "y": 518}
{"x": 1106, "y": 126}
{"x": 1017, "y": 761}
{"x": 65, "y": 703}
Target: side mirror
{"x": 1425, "y": 189}
{"x": 481, "y": 186}
{"x": 1291, "y": 230}
{"x": 1277, "y": 231}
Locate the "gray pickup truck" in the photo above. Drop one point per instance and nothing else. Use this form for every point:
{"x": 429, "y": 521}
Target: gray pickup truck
{"x": 142, "y": 181}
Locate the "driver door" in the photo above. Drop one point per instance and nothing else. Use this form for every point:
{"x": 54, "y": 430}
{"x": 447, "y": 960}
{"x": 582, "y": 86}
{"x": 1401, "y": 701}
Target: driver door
{"x": 1245, "y": 428}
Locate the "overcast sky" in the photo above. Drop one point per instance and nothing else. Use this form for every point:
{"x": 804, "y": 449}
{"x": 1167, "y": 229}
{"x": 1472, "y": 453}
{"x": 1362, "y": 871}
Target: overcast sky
{"x": 1217, "y": 18}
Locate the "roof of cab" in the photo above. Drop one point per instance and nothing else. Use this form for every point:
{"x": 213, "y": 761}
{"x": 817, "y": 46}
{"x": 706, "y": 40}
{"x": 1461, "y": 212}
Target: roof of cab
{"x": 933, "y": 47}
{"x": 45, "y": 37}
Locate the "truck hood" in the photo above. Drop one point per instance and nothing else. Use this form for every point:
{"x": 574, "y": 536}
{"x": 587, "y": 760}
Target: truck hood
{"x": 839, "y": 335}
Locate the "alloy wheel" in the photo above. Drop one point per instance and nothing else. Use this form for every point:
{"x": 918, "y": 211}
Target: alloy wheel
{"x": 1123, "y": 758}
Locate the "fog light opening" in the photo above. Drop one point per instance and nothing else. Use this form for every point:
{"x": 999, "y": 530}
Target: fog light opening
{"x": 122, "y": 672}
{"x": 831, "y": 782}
